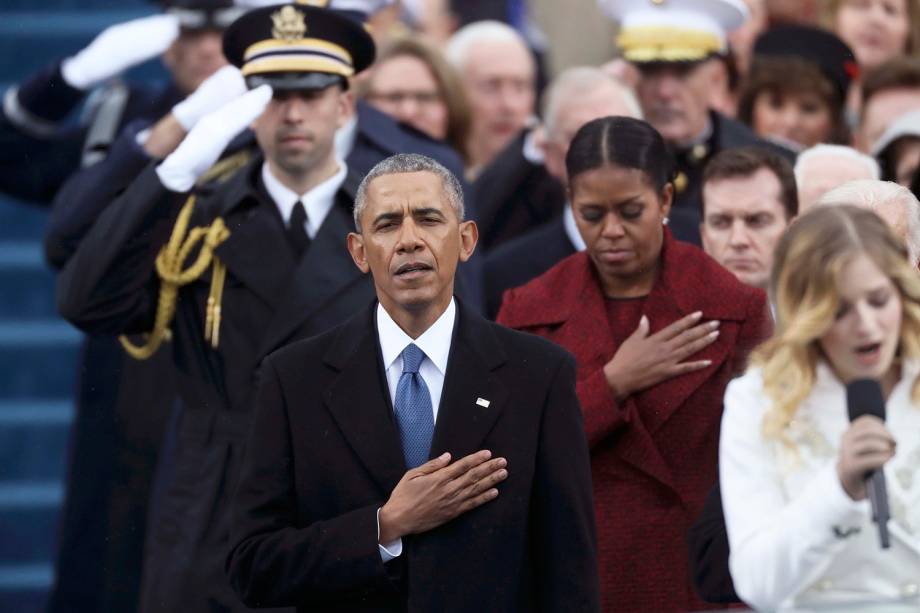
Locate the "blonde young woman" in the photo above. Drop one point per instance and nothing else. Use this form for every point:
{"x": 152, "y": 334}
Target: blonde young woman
{"x": 791, "y": 464}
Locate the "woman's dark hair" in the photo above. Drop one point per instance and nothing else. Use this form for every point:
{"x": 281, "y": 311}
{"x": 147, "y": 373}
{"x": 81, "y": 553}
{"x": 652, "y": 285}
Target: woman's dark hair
{"x": 624, "y": 142}
{"x": 790, "y": 75}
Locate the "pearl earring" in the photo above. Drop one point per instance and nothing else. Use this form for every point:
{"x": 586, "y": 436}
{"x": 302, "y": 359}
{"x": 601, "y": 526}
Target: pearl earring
{"x": 664, "y": 221}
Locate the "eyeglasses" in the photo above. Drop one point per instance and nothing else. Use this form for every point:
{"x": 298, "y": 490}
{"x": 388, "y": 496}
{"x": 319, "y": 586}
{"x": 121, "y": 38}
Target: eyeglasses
{"x": 399, "y": 97}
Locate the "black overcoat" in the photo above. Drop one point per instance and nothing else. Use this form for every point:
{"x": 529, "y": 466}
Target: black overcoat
{"x": 324, "y": 455}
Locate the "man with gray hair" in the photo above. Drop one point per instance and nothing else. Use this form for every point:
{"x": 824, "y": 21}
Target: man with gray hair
{"x": 461, "y": 472}
{"x": 498, "y": 73}
{"x": 821, "y": 168}
{"x": 894, "y": 203}
{"x": 575, "y": 97}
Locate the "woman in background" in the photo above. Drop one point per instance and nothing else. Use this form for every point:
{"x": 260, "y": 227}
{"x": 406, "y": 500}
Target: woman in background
{"x": 876, "y": 30}
{"x": 792, "y": 464}
{"x": 412, "y": 82}
{"x": 796, "y": 90}
{"x": 658, "y": 328}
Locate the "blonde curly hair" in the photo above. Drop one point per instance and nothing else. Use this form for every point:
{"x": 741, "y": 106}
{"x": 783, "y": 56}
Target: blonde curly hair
{"x": 803, "y": 286}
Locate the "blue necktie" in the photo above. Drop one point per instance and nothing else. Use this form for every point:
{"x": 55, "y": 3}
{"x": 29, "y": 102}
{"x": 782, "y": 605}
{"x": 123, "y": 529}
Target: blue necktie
{"x": 414, "y": 415}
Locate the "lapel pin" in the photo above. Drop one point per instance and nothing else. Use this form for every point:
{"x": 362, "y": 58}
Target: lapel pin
{"x": 482, "y": 402}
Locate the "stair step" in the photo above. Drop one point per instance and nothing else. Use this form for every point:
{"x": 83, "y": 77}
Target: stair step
{"x": 30, "y": 495}
{"x": 20, "y": 221}
{"x": 21, "y": 577}
{"x": 24, "y": 601}
{"x": 22, "y": 267}
{"x": 34, "y": 439}
{"x": 29, "y": 515}
{"x": 38, "y": 359}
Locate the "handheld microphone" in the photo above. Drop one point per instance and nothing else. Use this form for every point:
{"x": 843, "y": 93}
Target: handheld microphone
{"x": 864, "y": 397}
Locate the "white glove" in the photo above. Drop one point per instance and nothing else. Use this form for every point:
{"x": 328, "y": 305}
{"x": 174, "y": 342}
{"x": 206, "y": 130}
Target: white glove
{"x": 203, "y": 145}
{"x": 120, "y": 47}
{"x": 217, "y": 90}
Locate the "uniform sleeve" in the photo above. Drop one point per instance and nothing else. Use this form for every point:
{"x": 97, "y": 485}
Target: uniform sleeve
{"x": 778, "y": 547}
{"x": 563, "y": 508}
{"x": 109, "y": 286}
{"x": 38, "y": 151}
{"x": 272, "y": 562}
{"x": 88, "y": 192}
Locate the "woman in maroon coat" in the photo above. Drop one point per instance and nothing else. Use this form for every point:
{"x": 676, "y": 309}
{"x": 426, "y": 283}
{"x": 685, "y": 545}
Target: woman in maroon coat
{"x": 658, "y": 329}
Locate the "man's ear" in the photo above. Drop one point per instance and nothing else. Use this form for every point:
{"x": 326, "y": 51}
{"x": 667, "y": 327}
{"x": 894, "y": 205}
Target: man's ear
{"x": 667, "y": 199}
{"x": 346, "y": 108}
{"x": 356, "y": 249}
{"x": 469, "y": 236}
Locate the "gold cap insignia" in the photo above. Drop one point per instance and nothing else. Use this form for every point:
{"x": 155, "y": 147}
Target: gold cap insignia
{"x": 288, "y": 24}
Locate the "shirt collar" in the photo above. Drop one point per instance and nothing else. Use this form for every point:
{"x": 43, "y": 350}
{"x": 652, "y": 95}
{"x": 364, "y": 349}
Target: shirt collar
{"x": 571, "y": 229}
{"x": 434, "y": 342}
{"x": 317, "y": 202}
{"x": 345, "y": 138}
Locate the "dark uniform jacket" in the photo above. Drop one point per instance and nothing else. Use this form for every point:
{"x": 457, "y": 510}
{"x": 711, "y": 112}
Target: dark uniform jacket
{"x": 687, "y": 210}
{"x": 41, "y": 146}
{"x": 269, "y": 298}
{"x": 324, "y": 454}
{"x": 513, "y": 196}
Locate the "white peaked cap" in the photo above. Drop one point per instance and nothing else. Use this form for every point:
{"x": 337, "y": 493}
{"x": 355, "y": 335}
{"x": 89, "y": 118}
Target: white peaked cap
{"x": 674, "y": 30}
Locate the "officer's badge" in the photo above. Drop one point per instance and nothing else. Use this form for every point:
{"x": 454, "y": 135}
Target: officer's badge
{"x": 680, "y": 182}
{"x": 288, "y": 24}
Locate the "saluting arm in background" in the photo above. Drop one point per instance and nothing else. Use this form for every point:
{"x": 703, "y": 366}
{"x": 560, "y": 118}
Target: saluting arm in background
{"x": 109, "y": 285}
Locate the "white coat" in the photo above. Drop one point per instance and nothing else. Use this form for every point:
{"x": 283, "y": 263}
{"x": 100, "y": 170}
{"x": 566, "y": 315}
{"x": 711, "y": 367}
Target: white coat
{"x": 796, "y": 538}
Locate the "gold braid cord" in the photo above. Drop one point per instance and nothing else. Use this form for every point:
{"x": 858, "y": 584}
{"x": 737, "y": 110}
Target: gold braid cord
{"x": 169, "y": 264}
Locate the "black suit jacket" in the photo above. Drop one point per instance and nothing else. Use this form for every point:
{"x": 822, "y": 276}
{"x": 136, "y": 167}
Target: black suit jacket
{"x": 513, "y": 196}
{"x": 707, "y": 541}
{"x": 324, "y": 455}
{"x": 524, "y": 258}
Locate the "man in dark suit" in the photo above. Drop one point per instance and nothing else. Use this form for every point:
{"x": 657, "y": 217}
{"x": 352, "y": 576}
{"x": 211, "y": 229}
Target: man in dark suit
{"x": 417, "y": 457}
{"x": 230, "y": 274}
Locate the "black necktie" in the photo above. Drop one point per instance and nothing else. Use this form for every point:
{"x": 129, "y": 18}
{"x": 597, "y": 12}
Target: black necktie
{"x": 297, "y": 229}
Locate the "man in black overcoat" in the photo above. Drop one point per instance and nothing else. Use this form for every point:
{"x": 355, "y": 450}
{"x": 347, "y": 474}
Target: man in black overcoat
{"x": 416, "y": 457}
{"x": 229, "y": 275}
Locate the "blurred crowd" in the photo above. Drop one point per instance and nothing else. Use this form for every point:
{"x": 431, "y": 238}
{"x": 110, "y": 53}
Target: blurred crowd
{"x": 716, "y": 124}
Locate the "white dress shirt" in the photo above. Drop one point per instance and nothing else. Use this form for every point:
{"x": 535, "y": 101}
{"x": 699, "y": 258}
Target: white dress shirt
{"x": 317, "y": 202}
{"x": 435, "y": 344}
{"x": 796, "y": 538}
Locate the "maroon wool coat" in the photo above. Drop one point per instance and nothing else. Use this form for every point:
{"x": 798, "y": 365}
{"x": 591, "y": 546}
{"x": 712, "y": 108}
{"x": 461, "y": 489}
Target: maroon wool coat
{"x": 653, "y": 456}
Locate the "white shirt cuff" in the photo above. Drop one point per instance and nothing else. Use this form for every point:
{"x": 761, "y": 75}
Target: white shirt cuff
{"x": 142, "y": 136}
{"x": 390, "y": 550}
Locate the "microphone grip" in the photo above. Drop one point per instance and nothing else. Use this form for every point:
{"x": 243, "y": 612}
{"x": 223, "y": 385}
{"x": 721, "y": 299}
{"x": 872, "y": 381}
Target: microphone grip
{"x": 878, "y": 498}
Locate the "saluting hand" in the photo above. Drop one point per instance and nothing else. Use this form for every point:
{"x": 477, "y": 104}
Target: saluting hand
{"x": 210, "y": 136}
{"x": 437, "y": 491}
{"x": 866, "y": 446}
{"x": 118, "y": 48}
{"x": 644, "y": 360}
